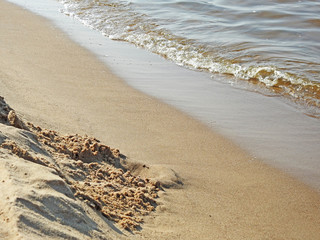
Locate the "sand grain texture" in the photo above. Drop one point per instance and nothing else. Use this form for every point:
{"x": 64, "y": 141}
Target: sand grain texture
{"x": 226, "y": 193}
{"x": 44, "y": 175}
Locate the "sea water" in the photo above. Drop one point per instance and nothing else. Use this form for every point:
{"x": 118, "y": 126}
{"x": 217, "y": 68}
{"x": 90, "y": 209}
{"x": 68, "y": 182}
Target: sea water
{"x": 272, "y": 44}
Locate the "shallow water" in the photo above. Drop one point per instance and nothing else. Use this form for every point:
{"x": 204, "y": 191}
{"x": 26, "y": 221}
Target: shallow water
{"x": 267, "y": 127}
{"x": 271, "y": 45}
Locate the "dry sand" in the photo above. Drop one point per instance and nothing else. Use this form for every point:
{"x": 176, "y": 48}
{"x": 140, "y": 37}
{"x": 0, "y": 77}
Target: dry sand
{"x": 216, "y": 190}
{"x": 75, "y": 168}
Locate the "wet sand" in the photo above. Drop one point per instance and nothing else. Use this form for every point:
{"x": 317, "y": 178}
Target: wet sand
{"x": 226, "y": 194}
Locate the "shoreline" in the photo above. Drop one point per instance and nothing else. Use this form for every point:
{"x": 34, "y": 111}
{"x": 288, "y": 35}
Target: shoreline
{"x": 227, "y": 194}
{"x": 269, "y": 128}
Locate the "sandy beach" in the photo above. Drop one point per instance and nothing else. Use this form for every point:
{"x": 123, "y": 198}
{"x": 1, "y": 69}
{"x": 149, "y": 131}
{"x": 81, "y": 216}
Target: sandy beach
{"x": 211, "y": 188}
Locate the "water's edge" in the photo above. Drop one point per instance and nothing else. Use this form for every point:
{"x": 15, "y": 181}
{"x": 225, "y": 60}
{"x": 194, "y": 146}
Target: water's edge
{"x": 270, "y": 129}
{"x": 278, "y": 57}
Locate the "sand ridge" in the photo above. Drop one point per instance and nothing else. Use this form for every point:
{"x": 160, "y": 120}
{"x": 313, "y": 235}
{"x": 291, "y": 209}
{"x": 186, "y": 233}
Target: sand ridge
{"x": 98, "y": 175}
{"x": 94, "y": 172}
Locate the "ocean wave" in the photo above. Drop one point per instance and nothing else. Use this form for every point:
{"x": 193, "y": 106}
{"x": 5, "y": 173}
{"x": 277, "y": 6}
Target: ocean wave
{"x": 119, "y": 21}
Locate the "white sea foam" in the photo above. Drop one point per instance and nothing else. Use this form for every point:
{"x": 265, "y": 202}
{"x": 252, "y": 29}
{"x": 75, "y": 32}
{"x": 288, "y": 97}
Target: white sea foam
{"x": 126, "y": 21}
